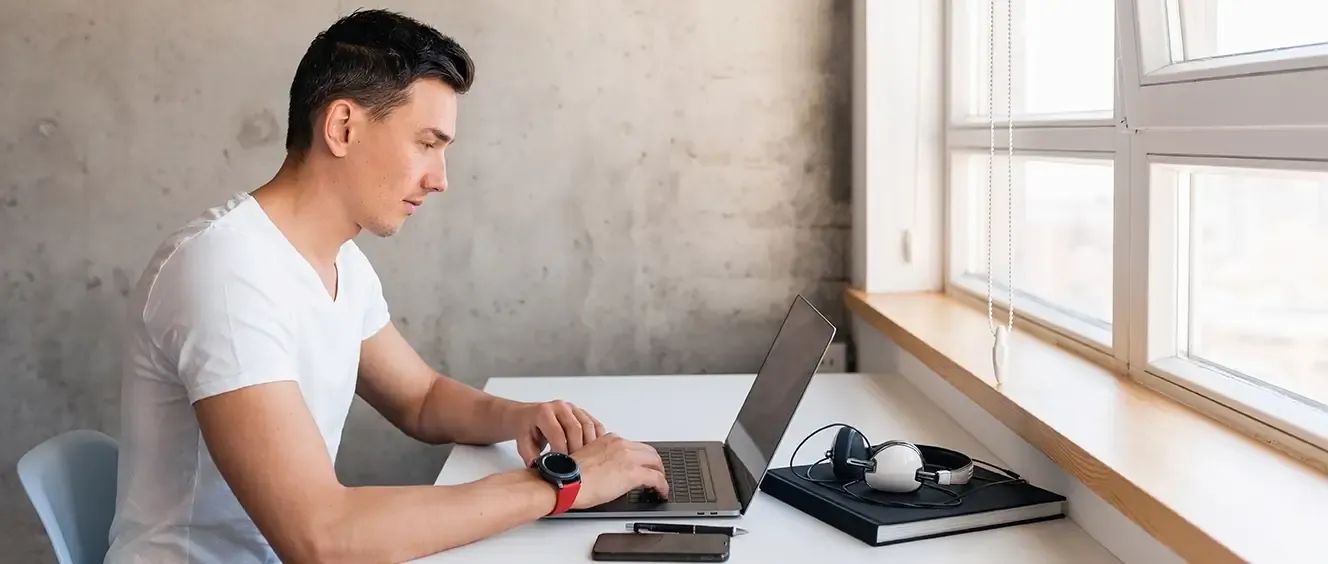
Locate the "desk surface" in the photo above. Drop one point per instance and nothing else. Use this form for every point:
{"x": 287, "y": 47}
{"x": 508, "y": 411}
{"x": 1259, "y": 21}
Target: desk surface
{"x": 645, "y": 408}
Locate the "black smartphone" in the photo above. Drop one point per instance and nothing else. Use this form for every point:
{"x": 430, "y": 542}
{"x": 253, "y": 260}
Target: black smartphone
{"x": 660, "y": 547}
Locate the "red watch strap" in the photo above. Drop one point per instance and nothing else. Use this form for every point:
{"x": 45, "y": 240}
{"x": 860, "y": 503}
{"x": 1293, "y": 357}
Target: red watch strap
{"x": 566, "y": 496}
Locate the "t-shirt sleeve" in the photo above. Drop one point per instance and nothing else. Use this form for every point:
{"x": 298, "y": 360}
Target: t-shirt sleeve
{"x": 221, "y": 324}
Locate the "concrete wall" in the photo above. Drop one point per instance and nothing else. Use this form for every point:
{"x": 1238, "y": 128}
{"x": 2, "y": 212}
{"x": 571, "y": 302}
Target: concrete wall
{"x": 638, "y": 187}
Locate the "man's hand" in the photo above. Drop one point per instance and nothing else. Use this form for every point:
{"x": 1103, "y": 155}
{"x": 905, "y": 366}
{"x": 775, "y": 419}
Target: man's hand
{"x": 611, "y": 466}
{"x": 562, "y": 426}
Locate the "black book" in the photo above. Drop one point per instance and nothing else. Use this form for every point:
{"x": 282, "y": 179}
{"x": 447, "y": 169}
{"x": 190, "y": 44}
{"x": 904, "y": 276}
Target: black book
{"x": 993, "y": 506}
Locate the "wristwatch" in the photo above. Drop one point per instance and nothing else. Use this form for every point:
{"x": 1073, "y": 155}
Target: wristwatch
{"x": 564, "y": 473}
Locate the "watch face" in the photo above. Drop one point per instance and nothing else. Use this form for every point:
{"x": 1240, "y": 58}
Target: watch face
{"x": 559, "y": 466}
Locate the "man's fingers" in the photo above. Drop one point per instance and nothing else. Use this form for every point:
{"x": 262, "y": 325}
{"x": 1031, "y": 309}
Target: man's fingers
{"x": 589, "y": 431}
{"x": 528, "y": 446}
{"x": 600, "y": 431}
{"x": 553, "y": 431}
{"x": 652, "y": 478}
{"x": 571, "y": 427}
{"x": 523, "y": 450}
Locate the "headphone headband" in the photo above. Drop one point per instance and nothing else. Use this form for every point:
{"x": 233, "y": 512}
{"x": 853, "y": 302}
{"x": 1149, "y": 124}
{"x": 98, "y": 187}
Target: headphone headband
{"x": 950, "y": 466}
{"x": 940, "y": 465}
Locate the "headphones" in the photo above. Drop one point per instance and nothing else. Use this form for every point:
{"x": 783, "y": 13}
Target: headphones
{"x": 900, "y": 468}
{"x": 896, "y": 466}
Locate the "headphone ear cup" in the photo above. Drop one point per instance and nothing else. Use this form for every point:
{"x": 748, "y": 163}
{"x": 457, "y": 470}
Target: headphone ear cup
{"x": 897, "y": 466}
{"x": 848, "y": 444}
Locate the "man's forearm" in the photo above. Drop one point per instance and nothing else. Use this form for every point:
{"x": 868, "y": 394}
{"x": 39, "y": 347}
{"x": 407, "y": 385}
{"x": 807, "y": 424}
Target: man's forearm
{"x": 394, "y": 524}
{"x": 453, "y": 412}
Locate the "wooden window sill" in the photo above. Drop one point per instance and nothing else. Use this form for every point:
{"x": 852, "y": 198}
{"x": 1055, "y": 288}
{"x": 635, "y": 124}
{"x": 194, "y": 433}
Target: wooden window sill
{"x": 1210, "y": 493}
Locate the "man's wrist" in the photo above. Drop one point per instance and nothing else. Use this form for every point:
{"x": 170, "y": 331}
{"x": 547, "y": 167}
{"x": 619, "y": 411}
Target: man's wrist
{"x": 508, "y": 413}
{"x": 546, "y": 496}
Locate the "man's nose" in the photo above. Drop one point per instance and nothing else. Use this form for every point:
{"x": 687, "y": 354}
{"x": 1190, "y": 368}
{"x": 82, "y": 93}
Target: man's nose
{"x": 436, "y": 182}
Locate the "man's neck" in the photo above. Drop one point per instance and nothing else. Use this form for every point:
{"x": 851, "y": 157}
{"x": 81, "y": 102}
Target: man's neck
{"x": 306, "y": 207}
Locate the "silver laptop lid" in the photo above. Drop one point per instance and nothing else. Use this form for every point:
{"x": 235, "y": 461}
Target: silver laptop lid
{"x": 779, "y": 386}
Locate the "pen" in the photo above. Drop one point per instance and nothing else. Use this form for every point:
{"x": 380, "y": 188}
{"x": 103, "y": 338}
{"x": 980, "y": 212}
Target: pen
{"x": 686, "y": 529}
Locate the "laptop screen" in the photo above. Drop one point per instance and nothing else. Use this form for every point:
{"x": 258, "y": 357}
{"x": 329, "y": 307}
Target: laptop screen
{"x": 775, "y": 394}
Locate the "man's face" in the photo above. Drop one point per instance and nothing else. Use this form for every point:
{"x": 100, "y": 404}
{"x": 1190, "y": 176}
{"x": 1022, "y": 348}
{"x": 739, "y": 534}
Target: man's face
{"x": 395, "y": 162}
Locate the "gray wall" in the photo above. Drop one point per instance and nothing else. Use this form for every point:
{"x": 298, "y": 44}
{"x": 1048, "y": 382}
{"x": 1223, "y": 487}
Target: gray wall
{"x": 638, "y": 187}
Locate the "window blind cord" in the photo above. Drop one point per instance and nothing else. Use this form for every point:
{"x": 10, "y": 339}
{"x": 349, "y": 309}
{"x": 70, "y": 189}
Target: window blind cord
{"x": 1000, "y": 348}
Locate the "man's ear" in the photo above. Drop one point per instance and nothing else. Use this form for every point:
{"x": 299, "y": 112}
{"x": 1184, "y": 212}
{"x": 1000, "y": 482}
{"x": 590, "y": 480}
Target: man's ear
{"x": 337, "y": 129}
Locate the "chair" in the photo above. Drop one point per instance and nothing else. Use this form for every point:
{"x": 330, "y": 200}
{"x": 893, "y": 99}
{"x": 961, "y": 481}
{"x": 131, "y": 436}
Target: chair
{"x": 70, "y": 479}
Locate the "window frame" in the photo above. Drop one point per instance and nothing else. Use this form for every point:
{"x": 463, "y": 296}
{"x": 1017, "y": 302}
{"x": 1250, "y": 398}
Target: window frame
{"x": 1158, "y": 93}
{"x": 1163, "y": 356}
{"x": 1163, "y": 112}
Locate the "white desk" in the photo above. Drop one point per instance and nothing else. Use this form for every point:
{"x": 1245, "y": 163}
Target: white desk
{"x": 703, "y": 407}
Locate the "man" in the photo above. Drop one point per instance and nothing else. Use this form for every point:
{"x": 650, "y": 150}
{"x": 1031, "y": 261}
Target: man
{"x": 254, "y": 326}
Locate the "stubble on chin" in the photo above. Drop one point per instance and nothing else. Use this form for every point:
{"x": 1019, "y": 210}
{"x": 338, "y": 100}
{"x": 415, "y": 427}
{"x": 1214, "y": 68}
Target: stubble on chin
{"x": 382, "y": 230}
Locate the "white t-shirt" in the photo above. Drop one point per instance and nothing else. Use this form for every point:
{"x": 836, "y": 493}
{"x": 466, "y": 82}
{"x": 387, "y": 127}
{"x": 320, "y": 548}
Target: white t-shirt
{"x": 226, "y": 302}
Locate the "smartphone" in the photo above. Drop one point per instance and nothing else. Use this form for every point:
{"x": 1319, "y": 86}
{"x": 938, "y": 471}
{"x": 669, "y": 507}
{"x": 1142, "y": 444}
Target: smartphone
{"x": 660, "y": 547}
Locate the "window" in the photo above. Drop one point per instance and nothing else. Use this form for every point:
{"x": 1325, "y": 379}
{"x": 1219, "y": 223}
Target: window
{"x": 1168, "y": 190}
{"x": 1203, "y": 29}
{"x": 1062, "y": 176}
{"x": 1238, "y": 267}
{"x": 1063, "y": 236}
{"x": 1255, "y": 265}
{"x": 1047, "y": 85}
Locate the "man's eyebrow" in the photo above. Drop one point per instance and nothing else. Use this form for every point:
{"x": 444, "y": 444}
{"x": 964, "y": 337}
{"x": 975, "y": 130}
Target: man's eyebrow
{"x": 438, "y": 133}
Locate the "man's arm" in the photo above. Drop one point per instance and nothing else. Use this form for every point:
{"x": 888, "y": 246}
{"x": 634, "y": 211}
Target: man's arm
{"x": 264, "y": 442}
{"x": 424, "y": 404}
{"x": 436, "y": 409}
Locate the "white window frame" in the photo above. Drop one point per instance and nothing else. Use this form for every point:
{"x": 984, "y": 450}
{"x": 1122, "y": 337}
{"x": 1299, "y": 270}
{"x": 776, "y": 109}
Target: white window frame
{"x": 1213, "y": 111}
{"x": 898, "y": 146}
{"x": 1161, "y": 308}
{"x": 1159, "y": 94}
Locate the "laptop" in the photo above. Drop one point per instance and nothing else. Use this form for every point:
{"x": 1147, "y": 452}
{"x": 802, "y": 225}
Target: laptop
{"x": 714, "y": 479}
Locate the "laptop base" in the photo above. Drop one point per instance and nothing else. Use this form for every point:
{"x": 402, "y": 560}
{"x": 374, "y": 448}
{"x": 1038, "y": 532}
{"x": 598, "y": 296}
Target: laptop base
{"x": 719, "y": 499}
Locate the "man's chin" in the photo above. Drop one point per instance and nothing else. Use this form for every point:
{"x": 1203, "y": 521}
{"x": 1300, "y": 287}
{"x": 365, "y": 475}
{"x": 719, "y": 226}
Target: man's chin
{"x": 383, "y": 229}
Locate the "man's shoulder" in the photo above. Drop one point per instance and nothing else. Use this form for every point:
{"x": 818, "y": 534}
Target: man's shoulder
{"x": 221, "y": 245}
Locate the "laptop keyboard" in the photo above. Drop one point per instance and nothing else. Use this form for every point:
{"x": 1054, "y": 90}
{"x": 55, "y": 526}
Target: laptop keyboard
{"x": 684, "y": 468}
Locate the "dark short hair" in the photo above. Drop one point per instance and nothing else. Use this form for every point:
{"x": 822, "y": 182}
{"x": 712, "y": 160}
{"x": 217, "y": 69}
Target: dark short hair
{"x": 371, "y": 57}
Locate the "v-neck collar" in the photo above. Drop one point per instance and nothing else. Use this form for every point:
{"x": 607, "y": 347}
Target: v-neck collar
{"x": 308, "y": 267}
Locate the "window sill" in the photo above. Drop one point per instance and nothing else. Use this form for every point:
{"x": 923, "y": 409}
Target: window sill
{"x": 1209, "y": 492}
